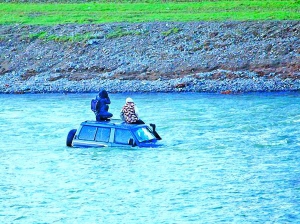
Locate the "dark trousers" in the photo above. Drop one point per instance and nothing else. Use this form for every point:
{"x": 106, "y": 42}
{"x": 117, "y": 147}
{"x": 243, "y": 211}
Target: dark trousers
{"x": 139, "y": 122}
{"x": 103, "y": 116}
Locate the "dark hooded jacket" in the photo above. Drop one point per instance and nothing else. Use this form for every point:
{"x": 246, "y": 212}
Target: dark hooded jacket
{"x": 102, "y": 109}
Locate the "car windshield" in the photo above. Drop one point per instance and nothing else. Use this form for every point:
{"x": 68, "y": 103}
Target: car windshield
{"x": 143, "y": 134}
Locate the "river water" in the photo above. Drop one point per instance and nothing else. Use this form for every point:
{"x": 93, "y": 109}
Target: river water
{"x": 224, "y": 159}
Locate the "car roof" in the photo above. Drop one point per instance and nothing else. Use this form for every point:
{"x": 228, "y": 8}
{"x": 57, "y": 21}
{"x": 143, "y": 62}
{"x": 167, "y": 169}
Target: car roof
{"x": 112, "y": 123}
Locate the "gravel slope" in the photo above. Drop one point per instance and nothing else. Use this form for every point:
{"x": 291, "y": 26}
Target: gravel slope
{"x": 221, "y": 57}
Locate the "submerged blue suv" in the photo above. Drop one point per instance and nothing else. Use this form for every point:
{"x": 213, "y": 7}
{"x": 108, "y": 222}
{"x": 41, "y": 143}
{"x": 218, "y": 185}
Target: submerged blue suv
{"x": 114, "y": 133}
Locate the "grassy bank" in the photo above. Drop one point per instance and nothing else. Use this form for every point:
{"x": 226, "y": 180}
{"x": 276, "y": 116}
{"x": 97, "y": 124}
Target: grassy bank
{"x": 141, "y": 11}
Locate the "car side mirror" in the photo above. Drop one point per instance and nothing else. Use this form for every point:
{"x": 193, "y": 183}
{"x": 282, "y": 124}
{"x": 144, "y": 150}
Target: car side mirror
{"x": 154, "y": 131}
{"x": 131, "y": 142}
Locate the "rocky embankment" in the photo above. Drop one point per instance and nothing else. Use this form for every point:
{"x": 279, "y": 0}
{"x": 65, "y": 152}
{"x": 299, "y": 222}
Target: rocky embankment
{"x": 223, "y": 57}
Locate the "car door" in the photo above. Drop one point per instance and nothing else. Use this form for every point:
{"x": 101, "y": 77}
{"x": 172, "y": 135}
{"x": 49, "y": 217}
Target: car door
{"x": 103, "y": 135}
{"x": 92, "y": 136}
{"x": 122, "y": 137}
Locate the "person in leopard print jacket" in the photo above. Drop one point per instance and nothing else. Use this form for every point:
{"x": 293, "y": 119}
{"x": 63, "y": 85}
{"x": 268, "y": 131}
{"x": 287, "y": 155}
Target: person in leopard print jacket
{"x": 129, "y": 113}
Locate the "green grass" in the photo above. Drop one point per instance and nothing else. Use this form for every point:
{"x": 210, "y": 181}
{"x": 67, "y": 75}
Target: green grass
{"x": 70, "y": 38}
{"x": 171, "y": 31}
{"x": 139, "y": 11}
{"x": 119, "y": 32}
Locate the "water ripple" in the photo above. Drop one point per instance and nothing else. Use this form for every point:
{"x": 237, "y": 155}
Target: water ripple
{"x": 225, "y": 159}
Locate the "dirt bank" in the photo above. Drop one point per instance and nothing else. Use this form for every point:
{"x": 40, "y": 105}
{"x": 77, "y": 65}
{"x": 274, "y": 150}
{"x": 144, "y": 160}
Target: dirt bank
{"x": 196, "y": 56}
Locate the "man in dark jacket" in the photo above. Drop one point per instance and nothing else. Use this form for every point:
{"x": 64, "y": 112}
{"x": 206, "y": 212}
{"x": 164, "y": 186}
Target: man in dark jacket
{"x": 102, "y": 108}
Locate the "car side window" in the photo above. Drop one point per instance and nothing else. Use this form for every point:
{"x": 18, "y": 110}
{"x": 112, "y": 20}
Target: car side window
{"x": 103, "y": 134}
{"x": 122, "y": 136}
{"x": 87, "y": 133}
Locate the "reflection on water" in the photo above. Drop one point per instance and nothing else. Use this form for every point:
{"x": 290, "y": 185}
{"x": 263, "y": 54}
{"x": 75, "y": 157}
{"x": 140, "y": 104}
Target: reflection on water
{"x": 225, "y": 159}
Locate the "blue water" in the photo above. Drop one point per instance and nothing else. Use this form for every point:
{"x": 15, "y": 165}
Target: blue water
{"x": 225, "y": 159}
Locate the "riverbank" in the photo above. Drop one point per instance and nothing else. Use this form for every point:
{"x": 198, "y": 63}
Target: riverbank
{"x": 225, "y": 57}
